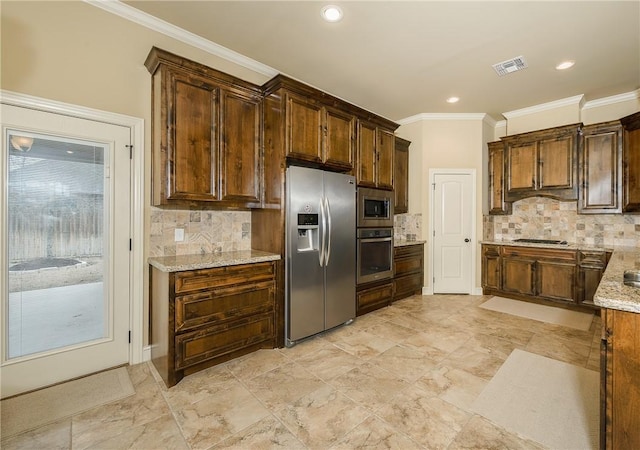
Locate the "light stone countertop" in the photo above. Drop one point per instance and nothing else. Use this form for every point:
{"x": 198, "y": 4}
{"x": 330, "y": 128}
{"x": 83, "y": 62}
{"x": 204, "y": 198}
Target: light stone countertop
{"x": 404, "y": 242}
{"x": 209, "y": 260}
{"x": 612, "y": 293}
{"x": 569, "y": 246}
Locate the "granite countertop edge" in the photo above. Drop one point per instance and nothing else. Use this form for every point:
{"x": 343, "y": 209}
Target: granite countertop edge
{"x": 569, "y": 246}
{"x": 612, "y": 293}
{"x": 210, "y": 260}
{"x": 405, "y": 242}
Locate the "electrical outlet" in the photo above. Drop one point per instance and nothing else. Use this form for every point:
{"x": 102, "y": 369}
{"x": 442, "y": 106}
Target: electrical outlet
{"x": 179, "y": 234}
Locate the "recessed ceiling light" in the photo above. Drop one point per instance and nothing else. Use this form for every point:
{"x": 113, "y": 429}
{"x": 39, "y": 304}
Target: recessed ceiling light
{"x": 565, "y": 65}
{"x": 331, "y": 13}
{"x": 453, "y": 100}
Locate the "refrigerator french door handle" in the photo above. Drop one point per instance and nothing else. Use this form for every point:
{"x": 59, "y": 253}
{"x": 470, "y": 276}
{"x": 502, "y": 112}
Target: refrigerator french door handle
{"x": 328, "y": 249}
{"x": 321, "y": 251}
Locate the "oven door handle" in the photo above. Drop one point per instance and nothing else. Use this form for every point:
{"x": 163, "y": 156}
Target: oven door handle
{"x": 378, "y": 239}
{"x": 321, "y": 253}
{"x": 328, "y": 248}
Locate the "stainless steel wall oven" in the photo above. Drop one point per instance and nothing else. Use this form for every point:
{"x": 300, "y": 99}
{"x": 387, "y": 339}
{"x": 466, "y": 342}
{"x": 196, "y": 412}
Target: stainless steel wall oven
{"x": 374, "y": 254}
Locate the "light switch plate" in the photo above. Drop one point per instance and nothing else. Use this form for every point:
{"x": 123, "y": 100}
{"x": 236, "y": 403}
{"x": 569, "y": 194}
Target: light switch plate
{"x": 179, "y": 234}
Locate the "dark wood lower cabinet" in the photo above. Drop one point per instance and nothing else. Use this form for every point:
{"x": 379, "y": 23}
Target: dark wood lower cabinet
{"x": 562, "y": 276}
{"x": 590, "y": 270}
{"x": 372, "y": 296}
{"x": 620, "y": 380}
{"x": 200, "y": 318}
{"x": 408, "y": 271}
{"x": 408, "y": 279}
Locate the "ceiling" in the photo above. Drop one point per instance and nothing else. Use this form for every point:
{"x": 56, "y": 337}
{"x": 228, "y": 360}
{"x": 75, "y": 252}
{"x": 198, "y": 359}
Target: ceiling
{"x": 399, "y": 59}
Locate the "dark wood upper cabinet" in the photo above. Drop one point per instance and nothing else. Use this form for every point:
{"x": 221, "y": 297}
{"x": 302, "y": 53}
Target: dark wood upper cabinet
{"x": 497, "y": 203}
{"x": 319, "y": 135}
{"x": 386, "y": 150}
{"x": 339, "y": 138}
{"x": 366, "y": 173}
{"x": 542, "y": 163}
{"x": 601, "y": 169}
{"x": 304, "y": 129}
{"x": 631, "y": 163}
{"x": 376, "y": 148}
{"x": 401, "y": 176}
{"x": 206, "y": 135}
{"x": 319, "y": 130}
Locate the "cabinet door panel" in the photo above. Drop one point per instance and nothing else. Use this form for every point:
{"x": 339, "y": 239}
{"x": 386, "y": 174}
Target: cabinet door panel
{"x": 631, "y": 192}
{"x": 600, "y": 190}
{"x": 497, "y": 204}
{"x": 492, "y": 271}
{"x": 522, "y": 167}
{"x": 366, "y": 154}
{"x": 401, "y": 176}
{"x": 556, "y": 163}
{"x": 192, "y": 162}
{"x": 386, "y": 146}
{"x": 556, "y": 280}
{"x": 340, "y": 139}
{"x": 518, "y": 275}
{"x": 240, "y": 147}
{"x": 304, "y": 129}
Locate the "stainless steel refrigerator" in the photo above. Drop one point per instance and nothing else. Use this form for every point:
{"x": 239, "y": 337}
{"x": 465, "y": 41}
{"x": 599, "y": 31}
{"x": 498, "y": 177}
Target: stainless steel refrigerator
{"x": 321, "y": 252}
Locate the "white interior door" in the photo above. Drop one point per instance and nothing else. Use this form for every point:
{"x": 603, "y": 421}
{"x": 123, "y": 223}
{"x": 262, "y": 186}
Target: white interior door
{"x": 452, "y": 233}
{"x": 66, "y": 189}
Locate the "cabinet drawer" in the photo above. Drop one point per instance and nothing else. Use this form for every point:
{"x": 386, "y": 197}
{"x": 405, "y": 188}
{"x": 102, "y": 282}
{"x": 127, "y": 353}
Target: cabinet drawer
{"x": 223, "y": 304}
{"x": 211, "y": 342}
{"x": 407, "y": 265}
{"x": 379, "y": 295}
{"x": 491, "y": 250}
{"x": 408, "y": 251}
{"x": 195, "y": 280}
{"x": 407, "y": 285}
{"x": 539, "y": 253}
{"x": 592, "y": 258}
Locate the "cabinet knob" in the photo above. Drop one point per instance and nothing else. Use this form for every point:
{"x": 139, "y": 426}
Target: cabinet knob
{"x": 467, "y": 240}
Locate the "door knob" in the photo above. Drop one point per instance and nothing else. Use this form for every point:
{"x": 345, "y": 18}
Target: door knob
{"x": 467, "y": 239}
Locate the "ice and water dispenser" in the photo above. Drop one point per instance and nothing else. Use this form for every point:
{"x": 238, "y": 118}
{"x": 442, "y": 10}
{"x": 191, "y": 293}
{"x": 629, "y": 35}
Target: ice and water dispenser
{"x": 307, "y": 232}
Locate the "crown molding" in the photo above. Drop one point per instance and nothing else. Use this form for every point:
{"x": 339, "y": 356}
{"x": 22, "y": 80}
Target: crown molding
{"x": 626, "y": 97}
{"x": 153, "y": 23}
{"x": 67, "y": 109}
{"x": 443, "y": 116}
{"x": 577, "y": 100}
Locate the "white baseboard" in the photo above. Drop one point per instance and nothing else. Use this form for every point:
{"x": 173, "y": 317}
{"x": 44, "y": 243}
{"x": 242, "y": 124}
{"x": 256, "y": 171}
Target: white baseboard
{"x": 146, "y": 353}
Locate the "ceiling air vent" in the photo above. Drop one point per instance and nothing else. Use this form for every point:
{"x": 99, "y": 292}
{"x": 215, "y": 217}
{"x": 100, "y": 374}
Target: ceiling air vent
{"x": 510, "y": 65}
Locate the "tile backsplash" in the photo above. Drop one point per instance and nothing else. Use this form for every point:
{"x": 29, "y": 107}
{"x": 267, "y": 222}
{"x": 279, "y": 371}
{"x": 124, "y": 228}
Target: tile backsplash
{"x": 545, "y": 218}
{"x": 407, "y": 227}
{"x": 204, "y": 231}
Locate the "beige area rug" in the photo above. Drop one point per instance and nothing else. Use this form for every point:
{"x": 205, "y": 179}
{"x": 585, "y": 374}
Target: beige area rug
{"x": 38, "y": 408}
{"x": 542, "y": 313}
{"x": 549, "y": 401}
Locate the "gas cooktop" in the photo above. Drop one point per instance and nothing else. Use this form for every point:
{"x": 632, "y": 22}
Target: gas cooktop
{"x": 541, "y": 241}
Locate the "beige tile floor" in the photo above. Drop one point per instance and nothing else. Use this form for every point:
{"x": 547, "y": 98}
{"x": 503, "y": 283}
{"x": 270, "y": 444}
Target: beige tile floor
{"x": 403, "y": 377}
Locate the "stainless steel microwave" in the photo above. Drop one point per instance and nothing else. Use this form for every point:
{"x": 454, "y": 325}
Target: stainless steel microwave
{"x": 375, "y": 208}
